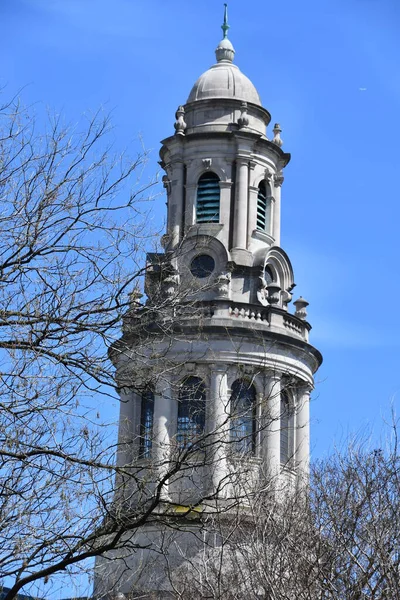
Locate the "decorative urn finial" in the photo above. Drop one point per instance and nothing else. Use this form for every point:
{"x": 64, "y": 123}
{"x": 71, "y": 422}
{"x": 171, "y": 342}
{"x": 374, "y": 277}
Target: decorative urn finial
{"x": 301, "y": 306}
{"x": 277, "y": 135}
{"x": 180, "y": 124}
{"x": 243, "y": 120}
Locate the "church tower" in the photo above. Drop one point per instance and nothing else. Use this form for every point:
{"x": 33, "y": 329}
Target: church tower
{"x": 215, "y": 369}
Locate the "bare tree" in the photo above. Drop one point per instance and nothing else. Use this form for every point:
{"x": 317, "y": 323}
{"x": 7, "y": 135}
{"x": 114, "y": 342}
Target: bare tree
{"x": 72, "y": 237}
{"x": 339, "y": 540}
{"x": 72, "y": 244}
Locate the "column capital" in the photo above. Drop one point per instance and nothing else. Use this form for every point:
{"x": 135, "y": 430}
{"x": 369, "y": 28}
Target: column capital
{"x": 225, "y": 184}
{"x": 276, "y": 375}
{"x": 305, "y": 388}
{"x": 219, "y": 368}
{"x": 243, "y": 159}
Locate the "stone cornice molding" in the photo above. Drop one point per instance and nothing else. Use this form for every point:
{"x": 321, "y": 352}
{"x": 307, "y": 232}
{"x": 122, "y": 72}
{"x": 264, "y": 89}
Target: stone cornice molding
{"x": 278, "y": 180}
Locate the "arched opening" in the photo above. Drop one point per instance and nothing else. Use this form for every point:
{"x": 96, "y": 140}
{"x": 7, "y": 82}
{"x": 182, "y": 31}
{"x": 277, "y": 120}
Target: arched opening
{"x": 146, "y": 423}
{"x": 263, "y": 208}
{"x": 208, "y": 198}
{"x": 286, "y": 430}
{"x": 191, "y": 412}
{"x": 243, "y": 417}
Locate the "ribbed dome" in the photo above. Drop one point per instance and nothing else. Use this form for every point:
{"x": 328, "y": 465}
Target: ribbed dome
{"x": 224, "y": 80}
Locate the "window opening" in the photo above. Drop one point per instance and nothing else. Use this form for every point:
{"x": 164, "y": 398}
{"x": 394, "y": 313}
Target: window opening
{"x": 191, "y": 412}
{"x": 208, "y": 199}
{"x": 243, "y": 417}
{"x": 263, "y": 208}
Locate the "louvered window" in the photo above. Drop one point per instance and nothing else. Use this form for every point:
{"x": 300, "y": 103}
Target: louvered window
{"x": 191, "y": 412}
{"x": 208, "y": 196}
{"x": 146, "y": 424}
{"x": 263, "y": 208}
{"x": 243, "y": 422}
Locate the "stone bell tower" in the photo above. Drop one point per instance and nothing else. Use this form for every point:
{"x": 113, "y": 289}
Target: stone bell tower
{"x": 226, "y": 380}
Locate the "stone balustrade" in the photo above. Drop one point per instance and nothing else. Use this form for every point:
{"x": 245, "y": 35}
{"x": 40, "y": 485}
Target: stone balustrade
{"x": 217, "y": 312}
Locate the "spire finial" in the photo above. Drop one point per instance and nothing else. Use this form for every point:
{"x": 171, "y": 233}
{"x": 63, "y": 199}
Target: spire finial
{"x": 225, "y": 25}
{"x": 225, "y": 51}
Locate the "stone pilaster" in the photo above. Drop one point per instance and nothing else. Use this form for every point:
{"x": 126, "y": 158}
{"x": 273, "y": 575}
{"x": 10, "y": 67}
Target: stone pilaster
{"x": 241, "y": 204}
{"x": 175, "y": 204}
{"x": 126, "y": 433}
{"x": 218, "y": 430}
{"x": 271, "y": 425}
{"x": 276, "y": 219}
{"x": 162, "y": 426}
{"x": 303, "y": 433}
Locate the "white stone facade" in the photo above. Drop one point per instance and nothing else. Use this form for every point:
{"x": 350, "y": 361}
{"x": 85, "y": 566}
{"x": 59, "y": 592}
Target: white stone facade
{"x": 235, "y": 326}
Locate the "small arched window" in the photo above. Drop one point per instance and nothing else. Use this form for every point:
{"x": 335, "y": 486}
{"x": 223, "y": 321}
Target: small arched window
{"x": 243, "y": 417}
{"x": 286, "y": 430}
{"x": 263, "y": 208}
{"x": 146, "y": 424}
{"x": 191, "y": 412}
{"x": 208, "y": 197}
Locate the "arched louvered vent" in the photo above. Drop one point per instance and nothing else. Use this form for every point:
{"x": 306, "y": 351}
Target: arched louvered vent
{"x": 263, "y": 208}
{"x": 208, "y": 195}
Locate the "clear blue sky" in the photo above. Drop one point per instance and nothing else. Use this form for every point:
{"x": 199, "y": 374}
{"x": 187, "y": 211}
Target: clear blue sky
{"x": 328, "y": 71}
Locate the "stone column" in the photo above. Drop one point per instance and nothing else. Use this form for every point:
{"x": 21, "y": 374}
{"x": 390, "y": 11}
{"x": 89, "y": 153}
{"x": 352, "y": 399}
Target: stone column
{"x": 225, "y": 210}
{"x": 162, "y": 431}
{"x": 252, "y": 221}
{"x": 218, "y": 430}
{"x": 276, "y": 223}
{"x": 271, "y": 423}
{"x": 190, "y": 209}
{"x": 303, "y": 433}
{"x": 175, "y": 204}
{"x": 126, "y": 432}
{"x": 241, "y": 204}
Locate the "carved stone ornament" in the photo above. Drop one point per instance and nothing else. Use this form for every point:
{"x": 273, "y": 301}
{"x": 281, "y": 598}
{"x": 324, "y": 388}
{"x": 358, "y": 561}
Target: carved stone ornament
{"x": 286, "y": 298}
{"x": 134, "y": 297}
{"x": 207, "y": 162}
{"x": 166, "y": 183}
{"x": 165, "y": 239}
{"x": 277, "y": 135}
{"x": 223, "y": 284}
{"x": 180, "y": 124}
{"x": 262, "y": 293}
{"x": 301, "y": 306}
{"x": 170, "y": 283}
{"x": 278, "y": 179}
{"x": 243, "y": 120}
{"x": 274, "y": 291}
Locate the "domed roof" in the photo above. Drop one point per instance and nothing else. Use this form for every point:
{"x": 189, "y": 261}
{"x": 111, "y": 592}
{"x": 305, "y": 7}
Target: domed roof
{"x": 224, "y": 79}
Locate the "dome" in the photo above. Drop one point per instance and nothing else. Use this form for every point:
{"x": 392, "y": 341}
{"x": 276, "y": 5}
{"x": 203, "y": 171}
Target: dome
{"x": 224, "y": 80}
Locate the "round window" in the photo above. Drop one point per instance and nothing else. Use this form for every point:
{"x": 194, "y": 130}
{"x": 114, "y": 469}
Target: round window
{"x": 202, "y": 265}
